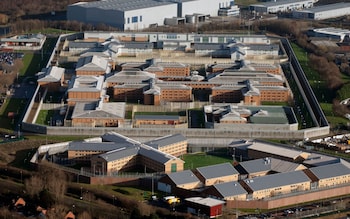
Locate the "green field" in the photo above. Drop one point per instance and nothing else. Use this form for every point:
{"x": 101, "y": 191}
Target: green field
{"x": 203, "y": 159}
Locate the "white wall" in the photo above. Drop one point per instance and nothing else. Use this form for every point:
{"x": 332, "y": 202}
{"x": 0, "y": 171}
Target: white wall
{"x": 332, "y": 13}
{"x": 152, "y": 15}
{"x": 210, "y": 7}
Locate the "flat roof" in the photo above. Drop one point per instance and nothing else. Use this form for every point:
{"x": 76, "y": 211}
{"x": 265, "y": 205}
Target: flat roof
{"x": 123, "y": 5}
{"x": 210, "y": 202}
{"x": 280, "y": 3}
{"x": 327, "y": 7}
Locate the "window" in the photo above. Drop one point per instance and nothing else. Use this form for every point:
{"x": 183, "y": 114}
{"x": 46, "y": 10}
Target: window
{"x": 134, "y": 19}
{"x": 140, "y": 18}
{"x": 128, "y": 20}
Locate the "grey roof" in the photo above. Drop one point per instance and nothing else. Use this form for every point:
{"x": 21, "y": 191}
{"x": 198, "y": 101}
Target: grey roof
{"x": 320, "y": 159}
{"x": 274, "y": 149}
{"x": 263, "y": 47}
{"x": 255, "y": 166}
{"x": 156, "y": 117}
{"x": 156, "y": 155}
{"x": 183, "y": 177}
{"x": 120, "y": 153}
{"x": 277, "y": 180}
{"x": 53, "y": 74}
{"x": 268, "y": 115}
{"x": 229, "y": 189}
{"x": 327, "y": 7}
{"x": 211, "y": 46}
{"x": 131, "y": 76}
{"x": 92, "y": 63}
{"x": 218, "y": 170}
{"x": 86, "y": 84}
{"x": 154, "y": 90}
{"x": 269, "y": 164}
{"x": 238, "y": 76}
{"x": 331, "y": 170}
{"x": 118, "y": 138}
{"x": 279, "y": 3}
{"x": 138, "y": 45}
{"x": 28, "y": 38}
{"x": 123, "y": 5}
{"x": 99, "y": 110}
{"x": 166, "y": 140}
{"x": 93, "y": 146}
{"x": 78, "y": 44}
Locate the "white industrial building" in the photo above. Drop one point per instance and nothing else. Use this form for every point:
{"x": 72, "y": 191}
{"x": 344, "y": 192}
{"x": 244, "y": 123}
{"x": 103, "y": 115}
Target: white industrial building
{"x": 273, "y": 7}
{"x": 324, "y": 12}
{"x": 140, "y": 14}
{"x": 331, "y": 33}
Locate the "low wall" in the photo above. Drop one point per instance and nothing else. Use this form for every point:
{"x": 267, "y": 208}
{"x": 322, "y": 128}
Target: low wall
{"x": 292, "y": 200}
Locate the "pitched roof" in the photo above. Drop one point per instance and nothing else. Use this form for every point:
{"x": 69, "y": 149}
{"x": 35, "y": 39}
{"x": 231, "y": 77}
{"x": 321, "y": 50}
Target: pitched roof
{"x": 156, "y": 155}
{"x": 278, "y": 150}
{"x": 120, "y": 153}
{"x": 118, "y": 138}
{"x": 91, "y": 63}
{"x": 86, "y": 84}
{"x": 99, "y": 110}
{"x": 229, "y": 189}
{"x": 166, "y": 140}
{"x": 268, "y": 164}
{"x": 218, "y": 170}
{"x": 131, "y": 76}
{"x": 277, "y": 180}
{"x": 329, "y": 171}
{"x": 316, "y": 159}
{"x": 183, "y": 177}
{"x": 52, "y": 74}
{"x": 96, "y": 146}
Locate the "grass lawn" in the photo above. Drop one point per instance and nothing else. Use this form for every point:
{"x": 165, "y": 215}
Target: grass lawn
{"x": 11, "y": 105}
{"x": 44, "y": 116}
{"x": 328, "y": 111}
{"x": 202, "y": 159}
